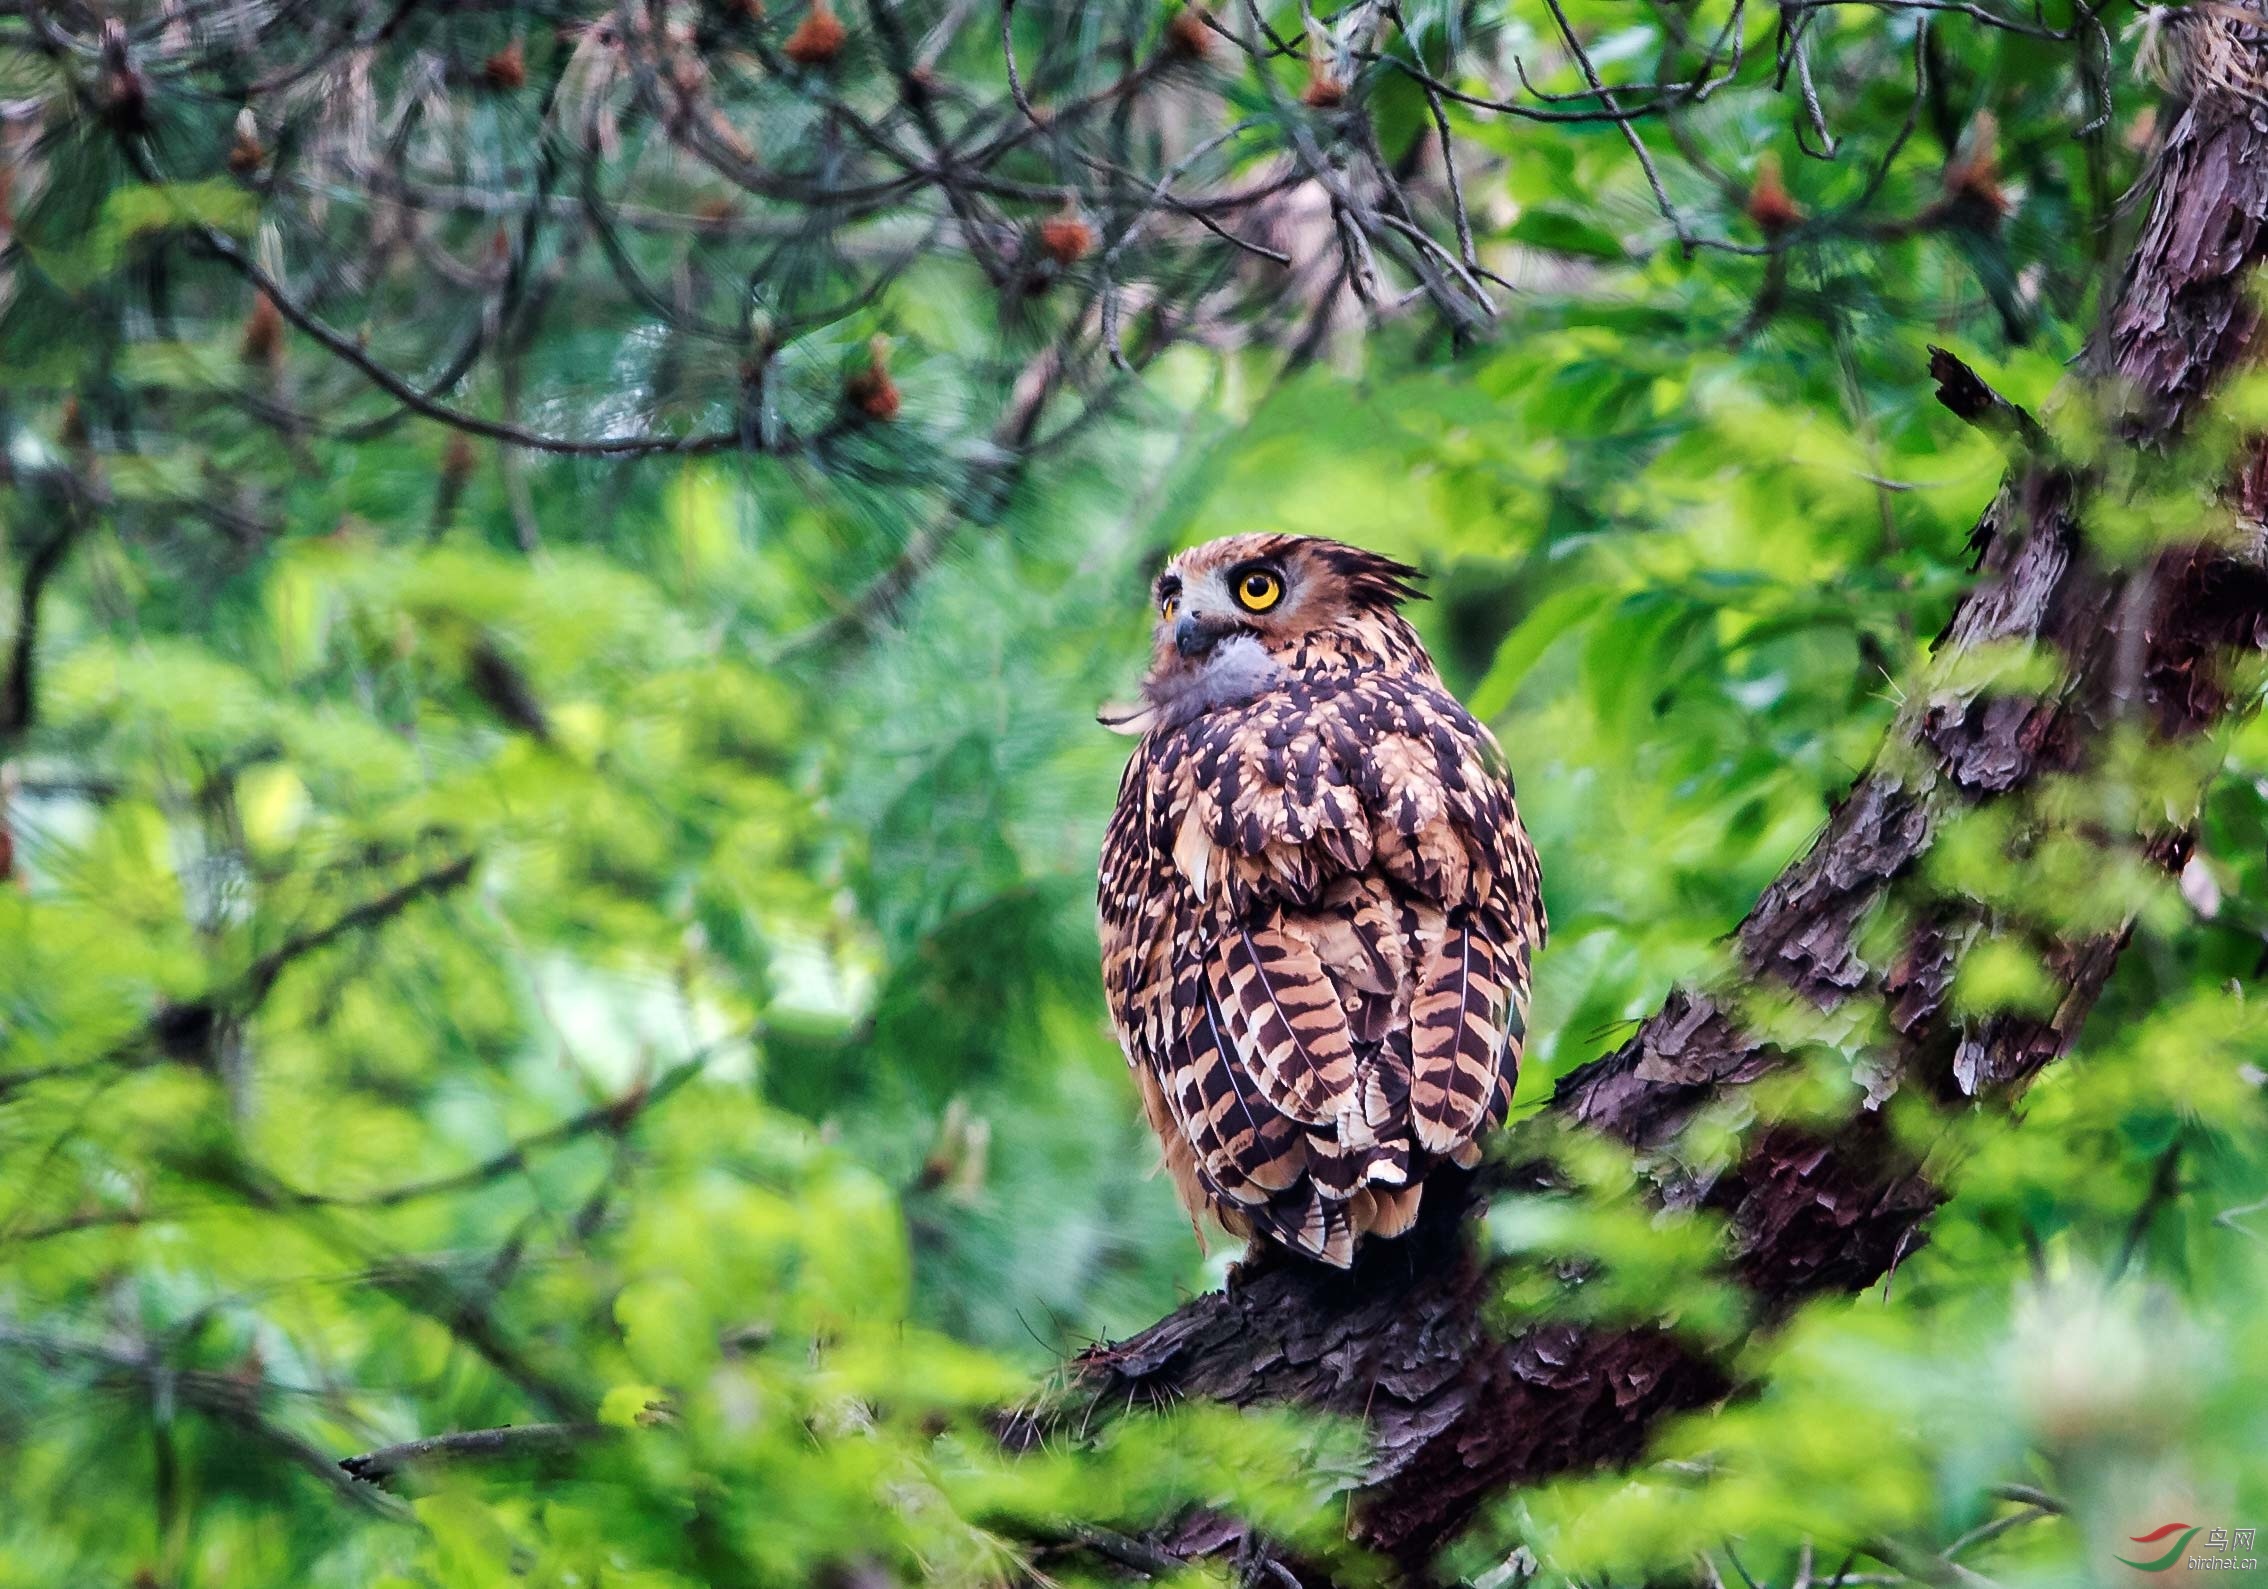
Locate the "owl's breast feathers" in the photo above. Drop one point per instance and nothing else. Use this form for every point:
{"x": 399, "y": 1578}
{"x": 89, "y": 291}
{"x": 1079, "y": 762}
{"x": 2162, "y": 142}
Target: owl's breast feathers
{"x": 1317, "y": 916}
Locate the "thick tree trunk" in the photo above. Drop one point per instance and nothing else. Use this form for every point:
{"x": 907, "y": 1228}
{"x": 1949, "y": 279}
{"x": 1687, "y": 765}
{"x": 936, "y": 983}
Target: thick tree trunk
{"x": 1458, "y": 1413}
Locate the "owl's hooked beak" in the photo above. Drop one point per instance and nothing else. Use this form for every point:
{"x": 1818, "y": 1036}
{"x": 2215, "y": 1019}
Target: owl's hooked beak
{"x": 1197, "y": 634}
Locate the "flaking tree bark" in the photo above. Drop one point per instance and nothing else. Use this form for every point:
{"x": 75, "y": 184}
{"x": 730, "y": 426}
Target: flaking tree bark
{"x": 1458, "y": 1412}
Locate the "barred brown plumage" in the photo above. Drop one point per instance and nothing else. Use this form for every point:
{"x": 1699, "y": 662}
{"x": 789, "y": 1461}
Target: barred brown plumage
{"x": 1318, "y": 904}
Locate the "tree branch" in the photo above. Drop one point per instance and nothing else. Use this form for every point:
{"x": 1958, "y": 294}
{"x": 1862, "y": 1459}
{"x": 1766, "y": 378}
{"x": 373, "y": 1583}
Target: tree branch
{"x": 1965, "y": 395}
{"x": 474, "y": 1445}
{"x": 74, "y": 502}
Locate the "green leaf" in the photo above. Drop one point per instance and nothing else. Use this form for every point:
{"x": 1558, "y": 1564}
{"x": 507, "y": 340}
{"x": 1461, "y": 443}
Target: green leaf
{"x": 631, "y": 1406}
{"x": 136, "y": 210}
{"x": 1524, "y": 647}
{"x": 1561, "y": 231}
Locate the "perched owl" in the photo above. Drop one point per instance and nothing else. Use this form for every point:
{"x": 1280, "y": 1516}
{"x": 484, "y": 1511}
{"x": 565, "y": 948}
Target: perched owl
{"x": 1318, "y": 904}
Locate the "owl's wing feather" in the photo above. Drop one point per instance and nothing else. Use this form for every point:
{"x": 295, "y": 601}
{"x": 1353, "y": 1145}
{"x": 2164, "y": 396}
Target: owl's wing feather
{"x": 1446, "y": 837}
{"x": 1284, "y": 1016}
{"x": 1177, "y": 1156}
{"x": 1246, "y": 1147}
{"x": 1133, "y": 886}
{"x": 1462, "y": 1021}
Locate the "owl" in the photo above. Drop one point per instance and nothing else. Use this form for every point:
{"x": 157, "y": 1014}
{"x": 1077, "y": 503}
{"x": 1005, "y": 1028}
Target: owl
{"x": 1318, "y": 903}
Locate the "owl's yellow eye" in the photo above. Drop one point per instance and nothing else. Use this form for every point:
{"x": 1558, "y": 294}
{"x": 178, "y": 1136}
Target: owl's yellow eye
{"x": 1170, "y": 608}
{"x": 1257, "y": 590}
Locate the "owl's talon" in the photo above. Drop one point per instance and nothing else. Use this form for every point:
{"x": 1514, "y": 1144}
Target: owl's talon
{"x": 1260, "y": 1255}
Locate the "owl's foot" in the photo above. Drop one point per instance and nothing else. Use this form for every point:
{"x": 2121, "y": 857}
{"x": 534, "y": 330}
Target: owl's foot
{"x": 1260, "y": 1256}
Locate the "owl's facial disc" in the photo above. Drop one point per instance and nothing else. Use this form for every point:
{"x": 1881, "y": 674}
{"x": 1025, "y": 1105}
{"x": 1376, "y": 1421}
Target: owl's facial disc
{"x": 1208, "y": 653}
{"x": 1211, "y": 644}
{"x": 1197, "y": 613}
{"x": 1235, "y": 613}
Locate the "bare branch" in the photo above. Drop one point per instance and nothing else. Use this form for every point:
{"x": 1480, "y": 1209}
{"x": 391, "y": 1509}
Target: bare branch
{"x": 512, "y": 1441}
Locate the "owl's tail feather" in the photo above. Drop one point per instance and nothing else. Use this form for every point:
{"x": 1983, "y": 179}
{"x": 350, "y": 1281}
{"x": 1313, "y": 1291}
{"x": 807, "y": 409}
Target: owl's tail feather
{"x": 1385, "y": 1212}
{"x": 1306, "y": 1221}
{"x": 1340, "y": 1168}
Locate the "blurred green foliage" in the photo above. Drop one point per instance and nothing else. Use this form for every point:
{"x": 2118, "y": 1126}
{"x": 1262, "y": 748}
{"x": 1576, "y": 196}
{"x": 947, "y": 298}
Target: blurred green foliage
{"x": 450, "y": 979}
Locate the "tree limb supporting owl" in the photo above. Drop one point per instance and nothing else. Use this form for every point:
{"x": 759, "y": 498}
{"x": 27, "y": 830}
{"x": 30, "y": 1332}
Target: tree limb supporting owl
{"x": 1459, "y": 1410}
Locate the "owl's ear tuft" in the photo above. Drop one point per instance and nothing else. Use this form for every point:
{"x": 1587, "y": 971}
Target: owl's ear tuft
{"x": 1135, "y": 718}
{"x": 1372, "y": 578}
